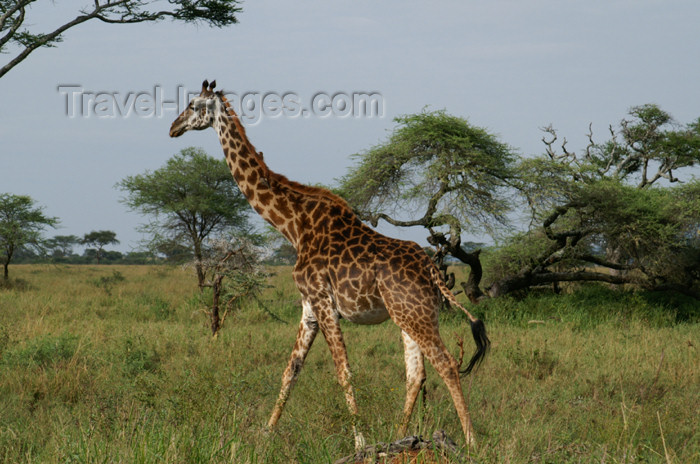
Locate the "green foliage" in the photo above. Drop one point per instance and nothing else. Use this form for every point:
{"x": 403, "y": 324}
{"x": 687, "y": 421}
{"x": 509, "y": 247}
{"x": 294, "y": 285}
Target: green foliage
{"x": 613, "y": 213}
{"x": 42, "y": 351}
{"x": 61, "y": 246}
{"x": 434, "y": 164}
{"x": 192, "y": 184}
{"x": 98, "y": 239}
{"x": 107, "y": 283}
{"x": 590, "y": 306}
{"x": 646, "y": 226}
{"x": 4, "y": 339}
{"x": 156, "y": 307}
{"x": 649, "y": 226}
{"x": 189, "y": 199}
{"x": 17, "y": 31}
{"x": 21, "y": 224}
{"x": 138, "y": 358}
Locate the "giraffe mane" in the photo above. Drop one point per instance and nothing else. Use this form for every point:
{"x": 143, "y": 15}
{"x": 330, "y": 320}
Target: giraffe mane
{"x": 278, "y": 180}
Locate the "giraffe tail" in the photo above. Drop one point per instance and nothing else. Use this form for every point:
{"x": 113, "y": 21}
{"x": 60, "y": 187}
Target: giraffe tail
{"x": 482, "y": 346}
{"x": 478, "y": 328}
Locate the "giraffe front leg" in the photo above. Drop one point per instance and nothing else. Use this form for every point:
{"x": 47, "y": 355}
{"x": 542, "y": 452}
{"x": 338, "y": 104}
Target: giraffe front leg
{"x": 308, "y": 328}
{"x": 415, "y": 376}
{"x": 330, "y": 327}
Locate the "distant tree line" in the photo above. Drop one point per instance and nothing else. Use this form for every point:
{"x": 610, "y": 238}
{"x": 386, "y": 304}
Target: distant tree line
{"x": 623, "y": 211}
{"x": 21, "y": 224}
{"x": 50, "y": 254}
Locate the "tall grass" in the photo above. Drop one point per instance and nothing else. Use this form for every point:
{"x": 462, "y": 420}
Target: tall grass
{"x": 133, "y": 375}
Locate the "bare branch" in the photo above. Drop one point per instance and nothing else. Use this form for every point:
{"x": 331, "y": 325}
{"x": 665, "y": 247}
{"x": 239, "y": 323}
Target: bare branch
{"x": 125, "y": 19}
{"x": 549, "y": 143}
{"x": 591, "y": 143}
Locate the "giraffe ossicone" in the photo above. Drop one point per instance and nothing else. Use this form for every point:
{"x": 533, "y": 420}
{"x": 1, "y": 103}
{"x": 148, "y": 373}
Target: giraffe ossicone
{"x": 344, "y": 269}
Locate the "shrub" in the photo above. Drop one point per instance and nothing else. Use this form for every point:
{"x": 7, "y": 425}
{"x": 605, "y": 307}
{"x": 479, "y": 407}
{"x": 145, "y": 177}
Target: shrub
{"x": 43, "y": 351}
{"x": 139, "y": 359}
{"x": 107, "y": 283}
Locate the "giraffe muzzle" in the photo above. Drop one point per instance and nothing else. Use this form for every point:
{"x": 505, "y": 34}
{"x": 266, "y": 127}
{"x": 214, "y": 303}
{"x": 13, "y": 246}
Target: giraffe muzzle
{"x": 176, "y": 130}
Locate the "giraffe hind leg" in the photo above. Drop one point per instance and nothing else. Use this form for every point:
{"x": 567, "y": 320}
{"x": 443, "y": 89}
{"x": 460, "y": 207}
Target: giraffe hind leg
{"x": 308, "y": 328}
{"x": 446, "y": 367}
{"x": 415, "y": 377}
{"x": 417, "y": 316}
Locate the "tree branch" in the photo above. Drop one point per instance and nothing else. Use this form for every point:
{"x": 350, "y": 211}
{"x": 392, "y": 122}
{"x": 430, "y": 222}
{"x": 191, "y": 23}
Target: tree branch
{"x": 215, "y": 12}
{"x": 16, "y": 23}
{"x": 124, "y": 19}
{"x": 604, "y": 263}
{"x": 45, "y": 39}
{"x": 12, "y": 10}
{"x": 526, "y": 280}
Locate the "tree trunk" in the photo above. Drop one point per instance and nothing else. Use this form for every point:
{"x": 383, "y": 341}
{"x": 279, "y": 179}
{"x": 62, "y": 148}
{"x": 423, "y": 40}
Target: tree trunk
{"x": 200, "y": 275}
{"x": 199, "y": 268}
{"x": 454, "y": 248}
{"x": 471, "y": 286}
{"x": 215, "y": 317}
{"x": 9, "y": 251}
{"x": 529, "y": 279}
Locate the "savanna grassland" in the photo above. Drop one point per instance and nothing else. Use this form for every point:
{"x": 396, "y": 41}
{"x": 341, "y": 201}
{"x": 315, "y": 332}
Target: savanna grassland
{"x": 116, "y": 364}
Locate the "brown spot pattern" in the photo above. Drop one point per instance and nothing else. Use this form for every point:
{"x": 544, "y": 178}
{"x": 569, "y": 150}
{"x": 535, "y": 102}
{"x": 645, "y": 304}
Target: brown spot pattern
{"x": 344, "y": 270}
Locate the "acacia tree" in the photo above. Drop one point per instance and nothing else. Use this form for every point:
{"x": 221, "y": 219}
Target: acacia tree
{"x": 99, "y": 239}
{"x": 600, "y": 215}
{"x": 19, "y": 33}
{"x": 21, "y": 224}
{"x": 61, "y": 246}
{"x": 603, "y": 215}
{"x": 192, "y": 197}
{"x": 439, "y": 172}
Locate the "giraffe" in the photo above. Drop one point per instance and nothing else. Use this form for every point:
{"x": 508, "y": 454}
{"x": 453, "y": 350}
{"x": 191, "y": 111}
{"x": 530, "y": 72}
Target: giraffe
{"x": 344, "y": 270}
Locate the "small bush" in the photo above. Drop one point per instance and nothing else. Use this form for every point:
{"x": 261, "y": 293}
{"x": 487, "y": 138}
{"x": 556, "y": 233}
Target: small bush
{"x": 107, "y": 283}
{"x": 592, "y": 305}
{"x": 4, "y": 339}
{"x": 139, "y": 359}
{"x": 155, "y": 308}
{"x": 14, "y": 284}
{"x": 43, "y": 351}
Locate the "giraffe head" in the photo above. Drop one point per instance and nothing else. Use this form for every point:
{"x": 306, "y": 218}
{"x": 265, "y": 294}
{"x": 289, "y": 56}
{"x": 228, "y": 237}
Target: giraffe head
{"x": 200, "y": 113}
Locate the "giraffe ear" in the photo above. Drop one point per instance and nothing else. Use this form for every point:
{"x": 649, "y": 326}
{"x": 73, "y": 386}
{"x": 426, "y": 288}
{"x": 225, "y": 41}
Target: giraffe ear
{"x": 205, "y": 84}
{"x": 212, "y": 85}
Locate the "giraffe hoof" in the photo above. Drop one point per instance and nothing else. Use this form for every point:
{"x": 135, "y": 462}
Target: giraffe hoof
{"x": 359, "y": 441}
{"x": 471, "y": 441}
{"x": 267, "y": 431}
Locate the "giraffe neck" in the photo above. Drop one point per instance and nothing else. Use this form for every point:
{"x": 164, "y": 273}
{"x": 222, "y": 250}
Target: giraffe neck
{"x": 264, "y": 189}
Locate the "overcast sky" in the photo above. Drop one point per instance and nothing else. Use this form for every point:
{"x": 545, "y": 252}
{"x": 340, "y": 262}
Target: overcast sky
{"x": 509, "y": 66}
